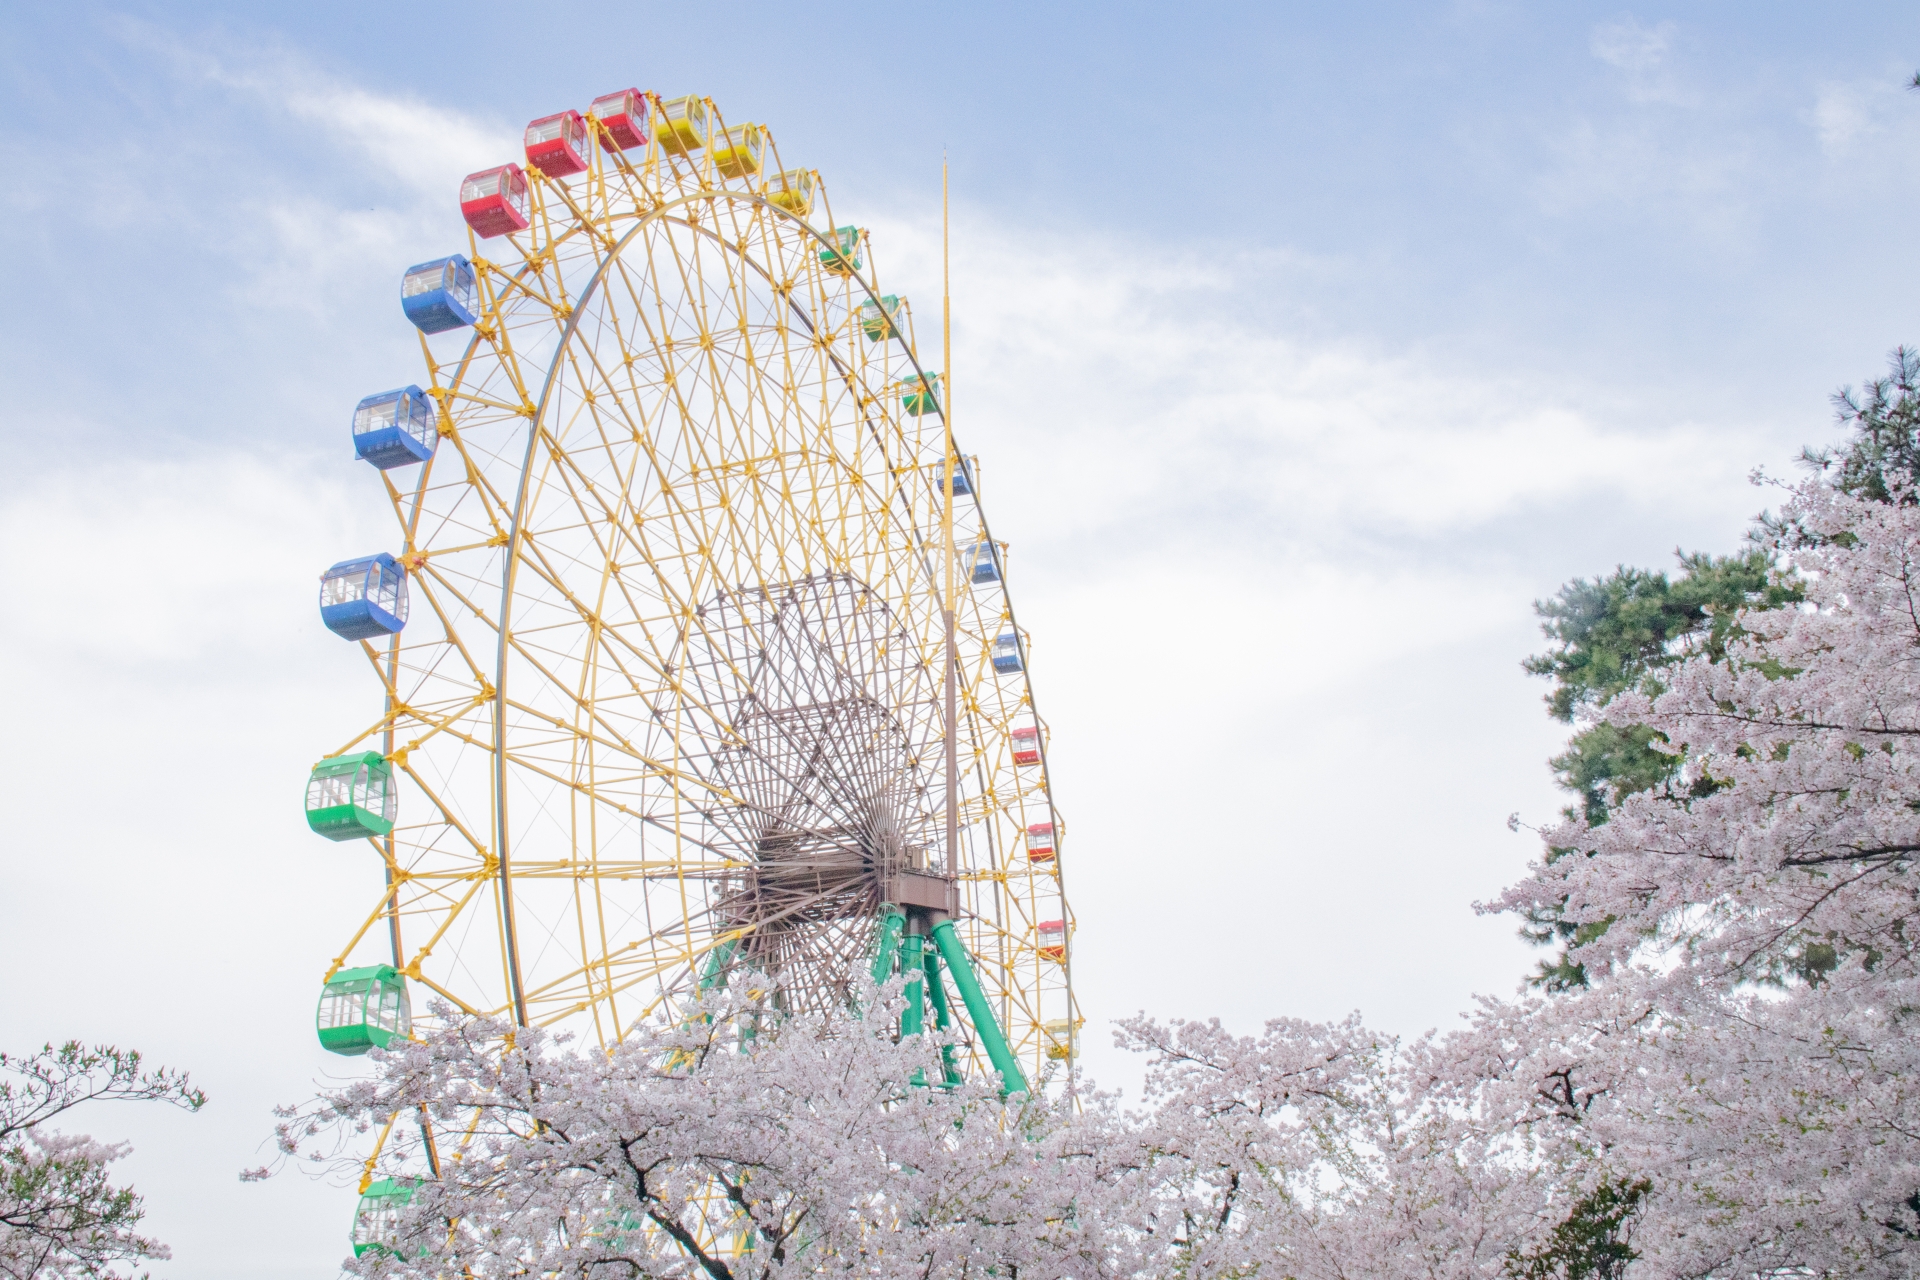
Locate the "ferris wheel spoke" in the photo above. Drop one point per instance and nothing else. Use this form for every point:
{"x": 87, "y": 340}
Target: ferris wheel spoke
{"x": 427, "y": 579}
{"x": 608, "y": 736}
{"x": 413, "y": 703}
{"x": 620, "y": 970}
{"x": 579, "y": 224}
{"x": 446, "y": 995}
{"x": 535, "y": 767}
{"x": 448, "y": 914}
{"x": 456, "y": 520}
{"x": 448, "y": 817}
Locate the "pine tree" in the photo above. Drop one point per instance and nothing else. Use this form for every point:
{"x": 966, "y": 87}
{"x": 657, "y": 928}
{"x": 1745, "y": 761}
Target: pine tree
{"x": 1884, "y": 421}
{"x": 1616, "y": 634}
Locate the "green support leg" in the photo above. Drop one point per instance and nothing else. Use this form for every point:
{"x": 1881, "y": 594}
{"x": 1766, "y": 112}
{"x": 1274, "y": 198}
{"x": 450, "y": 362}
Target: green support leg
{"x": 711, "y": 976}
{"x": 913, "y": 1017}
{"x": 942, "y": 1016}
{"x": 1012, "y": 1079}
{"x": 717, "y": 961}
{"x": 892, "y": 921}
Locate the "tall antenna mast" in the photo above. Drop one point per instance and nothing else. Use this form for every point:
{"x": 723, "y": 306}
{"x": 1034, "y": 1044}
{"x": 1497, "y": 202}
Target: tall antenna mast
{"x": 946, "y": 417}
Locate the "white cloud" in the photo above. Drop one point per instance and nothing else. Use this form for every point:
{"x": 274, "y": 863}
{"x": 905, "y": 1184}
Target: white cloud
{"x": 429, "y": 148}
{"x": 1159, "y": 387}
{"x": 1844, "y": 114}
{"x": 305, "y": 243}
{"x": 1705, "y": 182}
{"x": 1641, "y": 54}
{"x": 167, "y": 685}
{"x": 1630, "y": 45}
{"x": 281, "y": 214}
{"x": 168, "y": 563}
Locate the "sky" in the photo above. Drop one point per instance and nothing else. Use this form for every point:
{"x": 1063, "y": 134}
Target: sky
{"x": 1303, "y": 348}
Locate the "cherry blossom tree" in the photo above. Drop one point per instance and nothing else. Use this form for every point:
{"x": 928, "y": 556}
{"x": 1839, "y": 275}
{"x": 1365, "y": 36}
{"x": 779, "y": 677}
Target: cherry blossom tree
{"x": 1748, "y": 1050}
{"x": 1310, "y": 1150}
{"x": 60, "y": 1214}
{"x": 675, "y": 1153}
{"x": 679, "y": 1152}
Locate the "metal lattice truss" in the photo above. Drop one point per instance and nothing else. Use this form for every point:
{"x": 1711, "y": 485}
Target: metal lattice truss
{"x": 829, "y": 718}
{"x": 671, "y": 680}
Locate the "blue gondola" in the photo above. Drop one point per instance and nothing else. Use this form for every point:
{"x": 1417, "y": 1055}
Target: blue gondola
{"x": 439, "y": 295}
{"x": 986, "y": 561}
{"x": 364, "y": 599}
{"x": 1006, "y": 654}
{"x": 395, "y": 428}
{"x": 962, "y": 477}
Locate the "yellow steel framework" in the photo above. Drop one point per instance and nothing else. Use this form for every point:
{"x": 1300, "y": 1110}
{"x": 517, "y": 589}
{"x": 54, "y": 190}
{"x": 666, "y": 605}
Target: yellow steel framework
{"x": 668, "y": 406}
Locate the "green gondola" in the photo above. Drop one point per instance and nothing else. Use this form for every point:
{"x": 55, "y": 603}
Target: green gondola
{"x": 362, "y": 1009}
{"x": 844, "y": 257}
{"x": 352, "y": 796}
{"x": 881, "y": 318}
{"x": 376, "y": 1221}
{"x": 920, "y": 394}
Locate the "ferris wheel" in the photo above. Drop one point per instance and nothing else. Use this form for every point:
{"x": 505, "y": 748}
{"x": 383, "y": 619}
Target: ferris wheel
{"x": 656, "y": 680}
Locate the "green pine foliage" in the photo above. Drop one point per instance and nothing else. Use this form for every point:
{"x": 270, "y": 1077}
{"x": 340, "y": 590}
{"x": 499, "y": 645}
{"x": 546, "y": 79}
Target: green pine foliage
{"x": 1883, "y": 418}
{"x": 1595, "y": 1240}
{"x": 1616, "y": 633}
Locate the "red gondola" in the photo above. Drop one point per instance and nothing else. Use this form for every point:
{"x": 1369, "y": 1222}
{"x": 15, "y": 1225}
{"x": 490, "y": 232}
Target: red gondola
{"x": 1053, "y": 940}
{"x": 1040, "y": 842}
{"x": 557, "y": 145}
{"x": 1026, "y": 745}
{"x": 494, "y": 201}
{"x": 622, "y": 117}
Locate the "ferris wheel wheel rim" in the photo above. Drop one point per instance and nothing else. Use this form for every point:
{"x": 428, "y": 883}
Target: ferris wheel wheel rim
{"x": 517, "y": 532}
